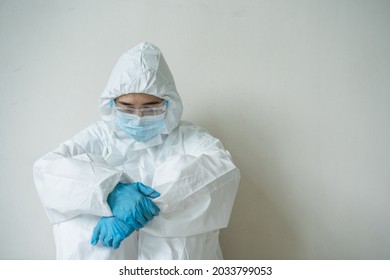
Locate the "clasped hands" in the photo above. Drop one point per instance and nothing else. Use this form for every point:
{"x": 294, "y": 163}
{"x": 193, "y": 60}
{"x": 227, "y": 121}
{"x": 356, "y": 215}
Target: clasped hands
{"x": 132, "y": 208}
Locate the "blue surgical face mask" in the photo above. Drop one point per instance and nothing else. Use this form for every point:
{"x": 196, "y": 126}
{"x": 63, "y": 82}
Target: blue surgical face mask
{"x": 142, "y": 129}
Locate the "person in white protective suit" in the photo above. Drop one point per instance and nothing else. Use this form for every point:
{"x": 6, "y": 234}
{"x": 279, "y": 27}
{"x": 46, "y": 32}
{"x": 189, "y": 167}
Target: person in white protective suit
{"x": 141, "y": 183}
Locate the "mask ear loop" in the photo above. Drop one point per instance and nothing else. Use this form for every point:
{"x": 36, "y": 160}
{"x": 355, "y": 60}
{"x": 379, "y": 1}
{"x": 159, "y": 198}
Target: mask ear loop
{"x": 165, "y": 118}
{"x": 111, "y": 104}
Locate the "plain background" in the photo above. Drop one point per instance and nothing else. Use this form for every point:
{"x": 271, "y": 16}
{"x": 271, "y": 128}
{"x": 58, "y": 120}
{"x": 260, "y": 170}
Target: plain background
{"x": 298, "y": 91}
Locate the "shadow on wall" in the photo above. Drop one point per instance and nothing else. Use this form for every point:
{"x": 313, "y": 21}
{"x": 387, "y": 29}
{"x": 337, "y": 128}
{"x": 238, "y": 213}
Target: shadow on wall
{"x": 257, "y": 229}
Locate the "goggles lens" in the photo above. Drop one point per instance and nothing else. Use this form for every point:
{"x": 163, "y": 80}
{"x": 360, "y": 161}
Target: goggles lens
{"x": 149, "y": 111}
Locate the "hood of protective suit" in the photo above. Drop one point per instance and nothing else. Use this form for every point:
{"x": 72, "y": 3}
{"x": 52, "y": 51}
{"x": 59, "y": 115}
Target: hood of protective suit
{"x": 142, "y": 69}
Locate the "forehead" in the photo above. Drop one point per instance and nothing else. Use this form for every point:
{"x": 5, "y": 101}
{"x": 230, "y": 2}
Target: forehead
{"x": 138, "y": 98}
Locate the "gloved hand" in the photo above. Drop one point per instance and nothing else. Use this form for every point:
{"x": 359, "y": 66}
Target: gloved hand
{"x": 111, "y": 232}
{"x": 131, "y": 203}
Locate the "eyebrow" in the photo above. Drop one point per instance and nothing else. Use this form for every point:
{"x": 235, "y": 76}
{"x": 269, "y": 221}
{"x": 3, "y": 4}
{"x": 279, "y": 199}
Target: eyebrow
{"x": 147, "y": 103}
{"x": 152, "y": 102}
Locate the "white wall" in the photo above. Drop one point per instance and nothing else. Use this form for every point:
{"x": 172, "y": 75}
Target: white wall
{"x": 297, "y": 90}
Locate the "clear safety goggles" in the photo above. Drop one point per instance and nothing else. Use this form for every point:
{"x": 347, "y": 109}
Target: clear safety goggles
{"x": 148, "y": 111}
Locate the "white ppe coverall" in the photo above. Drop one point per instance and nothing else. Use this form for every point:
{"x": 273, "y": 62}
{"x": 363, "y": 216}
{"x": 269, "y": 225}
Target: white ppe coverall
{"x": 189, "y": 168}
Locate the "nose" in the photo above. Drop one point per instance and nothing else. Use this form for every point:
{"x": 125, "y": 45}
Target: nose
{"x": 139, "y": 112}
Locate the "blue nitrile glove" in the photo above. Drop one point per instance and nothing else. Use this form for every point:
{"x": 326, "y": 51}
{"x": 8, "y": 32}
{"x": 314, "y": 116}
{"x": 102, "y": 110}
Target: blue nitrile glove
{"x": 132, "y": 203}
{"x": 111, "y": 232}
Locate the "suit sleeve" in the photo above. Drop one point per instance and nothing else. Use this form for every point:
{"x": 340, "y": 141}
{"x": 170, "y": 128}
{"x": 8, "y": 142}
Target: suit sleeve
{"x": 74, "y": 179}
{"x": 197, "y": 189}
